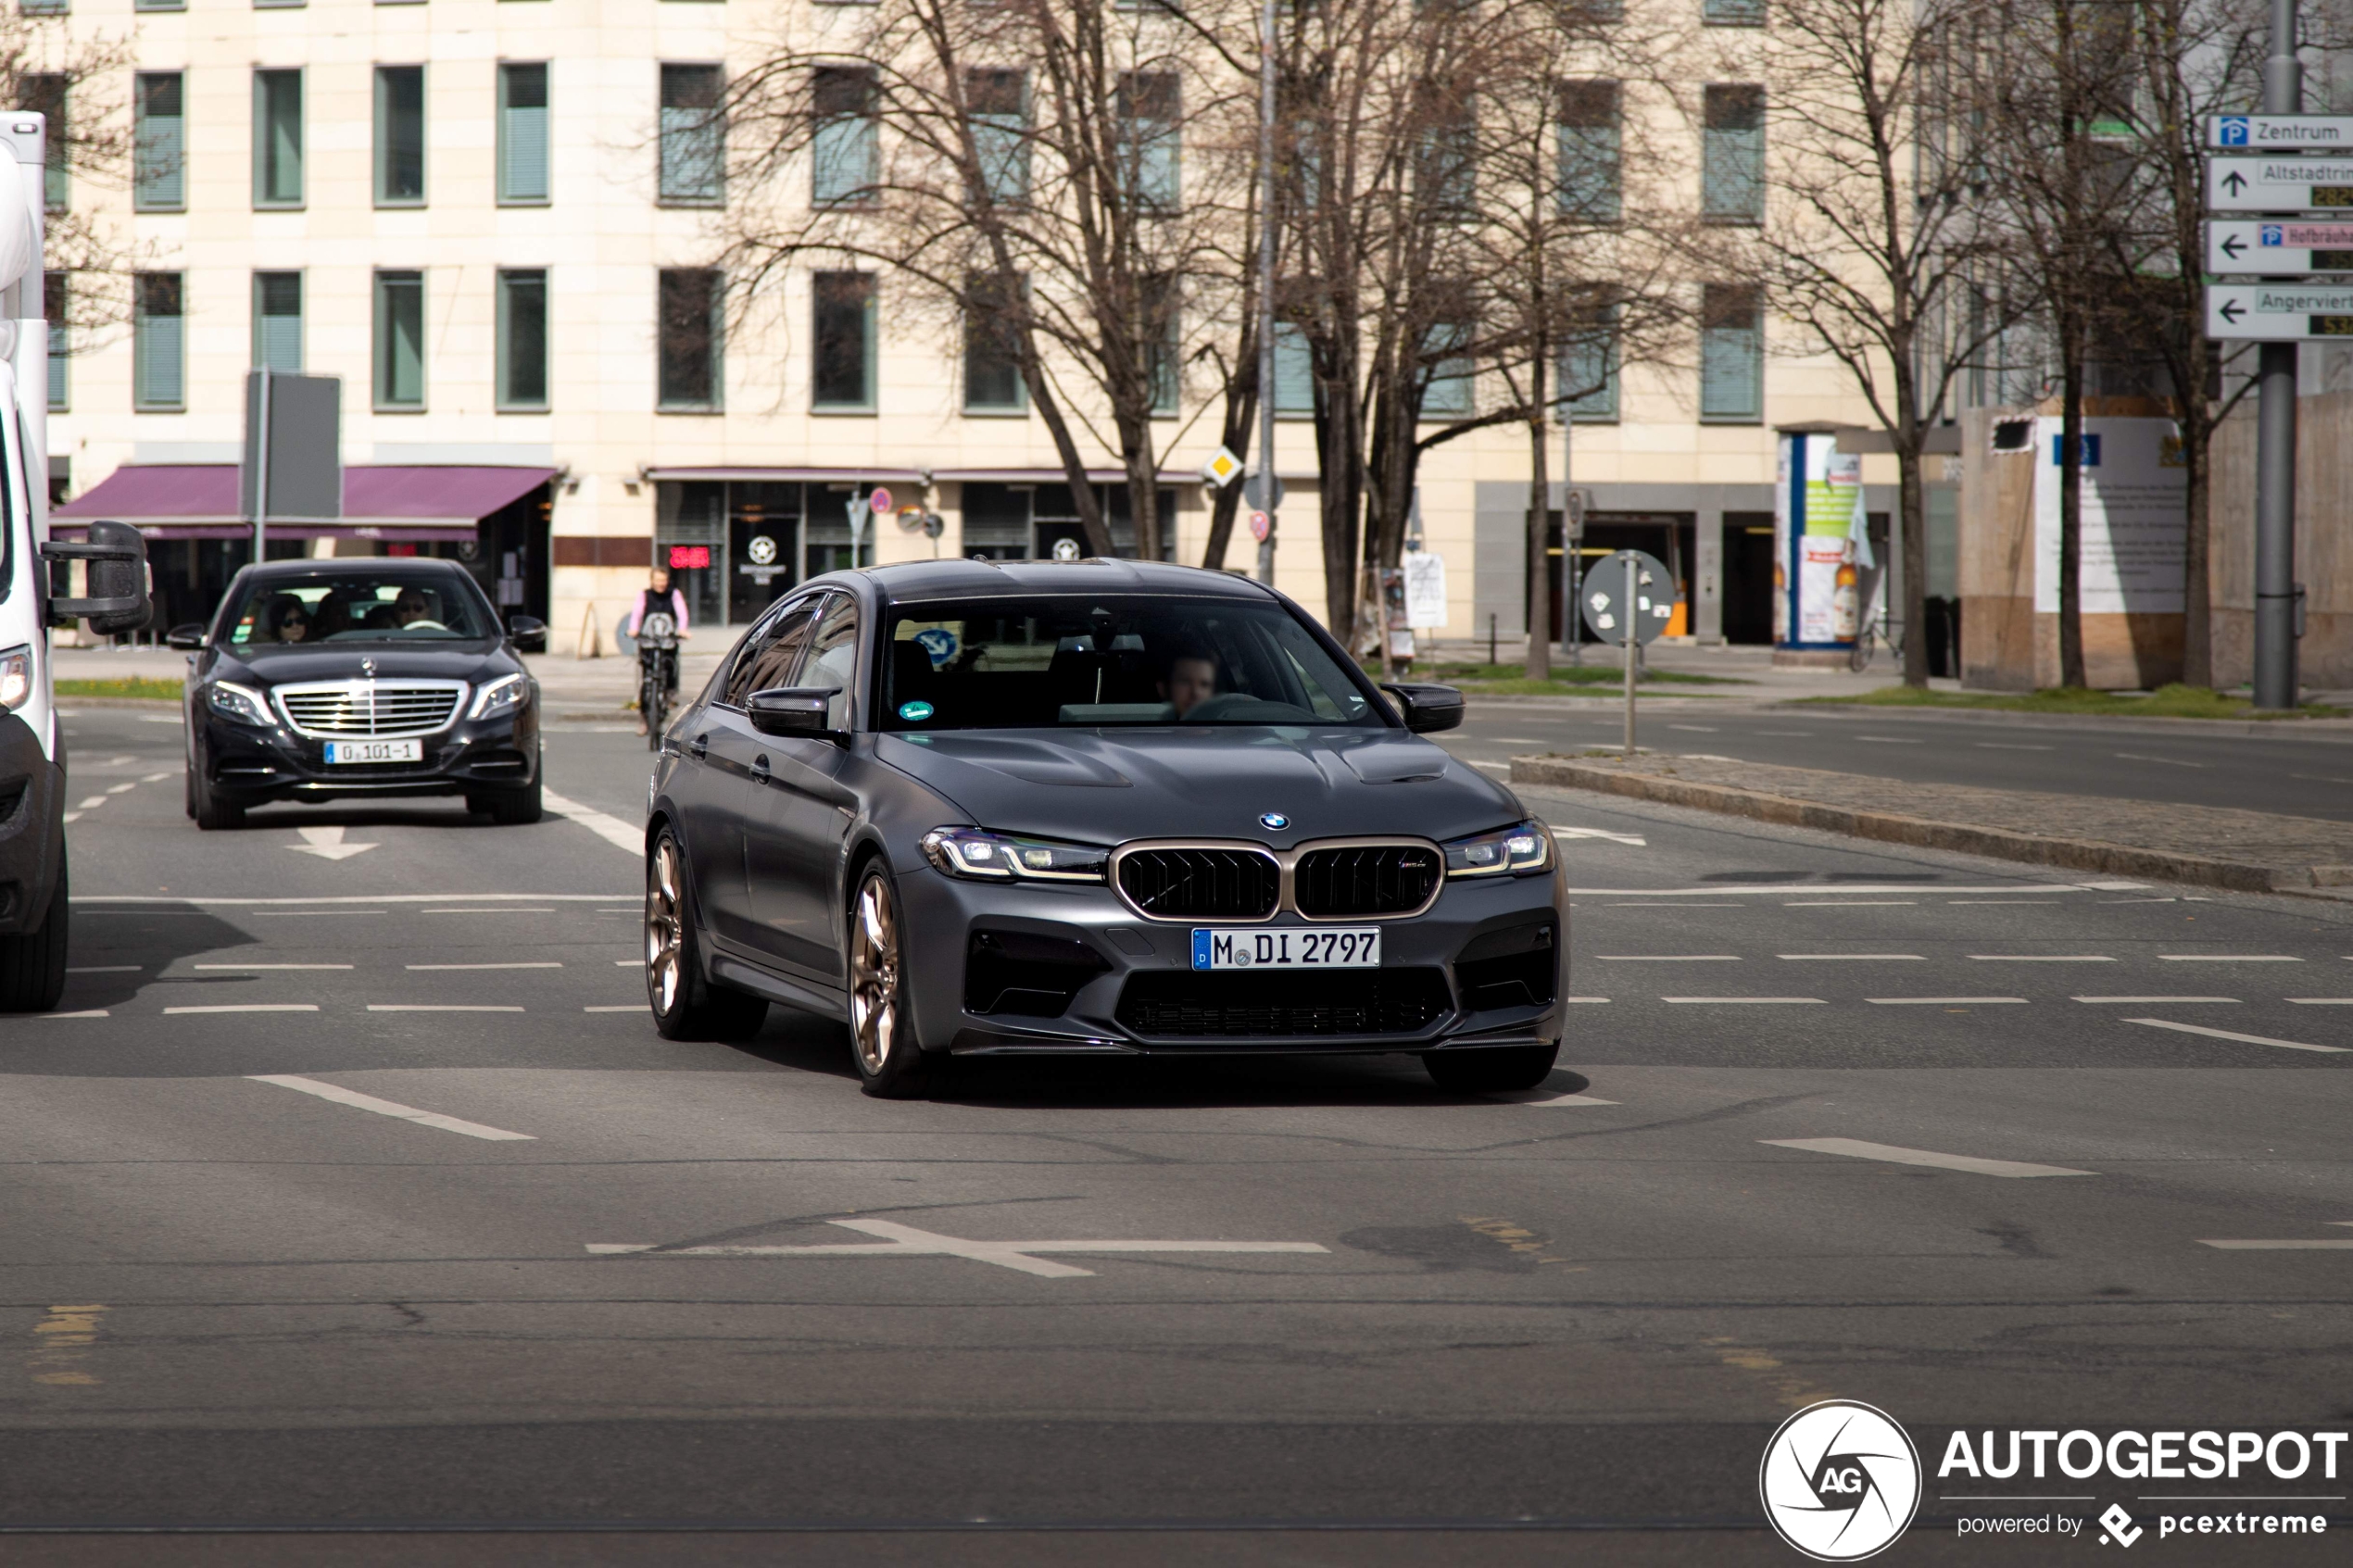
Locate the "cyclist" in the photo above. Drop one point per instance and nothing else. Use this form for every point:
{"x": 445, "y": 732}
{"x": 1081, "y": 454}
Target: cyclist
{"x": 658, "y": 597}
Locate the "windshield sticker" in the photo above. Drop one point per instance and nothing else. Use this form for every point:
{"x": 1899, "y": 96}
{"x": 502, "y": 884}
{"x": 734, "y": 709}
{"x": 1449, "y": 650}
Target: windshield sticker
{"x": 915, "y": 712}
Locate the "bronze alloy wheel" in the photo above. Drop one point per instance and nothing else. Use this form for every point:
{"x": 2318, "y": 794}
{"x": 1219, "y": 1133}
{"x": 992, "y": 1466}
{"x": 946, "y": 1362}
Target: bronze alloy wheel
{"x": 891, "y": 1062}
{"x": 686, "y": 1006}
{"x": 665, "y": 950}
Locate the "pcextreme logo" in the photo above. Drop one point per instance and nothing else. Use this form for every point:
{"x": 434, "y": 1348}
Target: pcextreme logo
{"x": 1841, "y": 1480}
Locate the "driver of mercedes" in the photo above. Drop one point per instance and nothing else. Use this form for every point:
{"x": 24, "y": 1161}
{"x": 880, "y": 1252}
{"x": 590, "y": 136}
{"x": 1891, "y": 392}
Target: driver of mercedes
{"x": 1192, "y": 680}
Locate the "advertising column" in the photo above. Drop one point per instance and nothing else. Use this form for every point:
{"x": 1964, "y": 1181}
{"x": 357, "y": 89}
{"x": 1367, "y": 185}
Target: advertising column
{"x": 1817, "y": 523}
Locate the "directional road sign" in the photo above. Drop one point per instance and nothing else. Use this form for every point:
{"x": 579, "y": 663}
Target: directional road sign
{"x": 2278, "y": 184}
{"x": 2279, "y": 312}
{"x": 2280, "y": 247}
{"x": 2280, "y": 132}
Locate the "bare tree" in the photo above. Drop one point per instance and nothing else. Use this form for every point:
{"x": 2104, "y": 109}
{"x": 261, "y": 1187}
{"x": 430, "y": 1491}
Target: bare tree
{"x": 75, "y": 79}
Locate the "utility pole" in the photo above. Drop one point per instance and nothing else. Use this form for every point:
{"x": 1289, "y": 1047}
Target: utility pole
{"x": 261, "y": 473}
{"x": 2275, "y": 592}
{"x": 1266, "y": 286}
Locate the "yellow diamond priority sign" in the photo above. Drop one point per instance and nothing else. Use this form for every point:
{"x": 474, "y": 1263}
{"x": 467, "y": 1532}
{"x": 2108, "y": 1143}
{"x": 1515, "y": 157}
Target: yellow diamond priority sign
{"x": 1222, "y": 467}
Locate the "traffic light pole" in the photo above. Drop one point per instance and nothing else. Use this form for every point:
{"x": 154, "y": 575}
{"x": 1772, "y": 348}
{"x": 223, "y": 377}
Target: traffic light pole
{"x": 2275, "y": 592}
{"x": 1266, "y": 286}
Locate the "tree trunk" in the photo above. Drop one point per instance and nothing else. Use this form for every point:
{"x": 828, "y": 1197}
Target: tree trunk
{"x": 1911, "y": 589}
{"x": 2071, "y": 566}
{"x": 1540, "y": 563}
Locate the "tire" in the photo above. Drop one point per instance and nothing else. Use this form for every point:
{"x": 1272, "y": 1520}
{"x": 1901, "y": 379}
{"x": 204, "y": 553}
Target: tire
{"x": 653, "y": 705}
{"x": 1858, "y": 658}
{"x": 1496, "y": 1070}
{"x": 33, "y": 966}
{"x": 212, "y": 813}
{"x": 685, "y": 1006}
{"x": 881, "y": 1036}
{"x": 511, "y": 807}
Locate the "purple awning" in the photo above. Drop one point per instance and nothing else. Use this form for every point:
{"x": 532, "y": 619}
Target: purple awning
{"x": 179, "y": 499}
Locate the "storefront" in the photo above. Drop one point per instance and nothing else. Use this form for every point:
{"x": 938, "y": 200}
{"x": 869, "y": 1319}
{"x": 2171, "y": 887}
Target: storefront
{"x": 734, "y": 539}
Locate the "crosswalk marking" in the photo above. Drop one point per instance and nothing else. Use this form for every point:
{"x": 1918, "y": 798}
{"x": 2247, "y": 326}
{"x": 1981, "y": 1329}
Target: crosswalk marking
{"x": 1855, "y": 1149}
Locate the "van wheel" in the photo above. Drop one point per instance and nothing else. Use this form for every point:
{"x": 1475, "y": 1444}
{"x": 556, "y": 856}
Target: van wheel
{"x": 1495, "y": 1070}
{"x": 33, "y": 966}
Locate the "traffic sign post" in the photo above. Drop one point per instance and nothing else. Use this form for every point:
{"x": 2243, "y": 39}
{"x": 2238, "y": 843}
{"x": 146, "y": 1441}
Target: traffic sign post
{"x": 2280, "y": 132}
{"x": 2280, "y": 312}
{"x": 2284, "y": 183}
{"x": 2278, "y": 247}
{"x": 1629, "y": 602}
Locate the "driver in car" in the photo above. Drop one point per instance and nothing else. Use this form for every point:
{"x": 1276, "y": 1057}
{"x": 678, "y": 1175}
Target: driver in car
{"x": 410, "y": 613}
{"x": 1192, "y": 680}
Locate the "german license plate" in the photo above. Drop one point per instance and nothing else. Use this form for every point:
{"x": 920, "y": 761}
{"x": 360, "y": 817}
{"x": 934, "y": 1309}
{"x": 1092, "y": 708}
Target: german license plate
{"x": 1333, "y": 947}
{"x": 375, "y": 751}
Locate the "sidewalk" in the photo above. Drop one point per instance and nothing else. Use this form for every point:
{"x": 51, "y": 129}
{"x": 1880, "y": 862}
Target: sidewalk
{"x": 2214, "y": 847}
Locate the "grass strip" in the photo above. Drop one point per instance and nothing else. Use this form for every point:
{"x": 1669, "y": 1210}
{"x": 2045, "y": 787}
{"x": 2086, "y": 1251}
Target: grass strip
{"x": 130, "y": 685}
{"x": 2176, "y": 701}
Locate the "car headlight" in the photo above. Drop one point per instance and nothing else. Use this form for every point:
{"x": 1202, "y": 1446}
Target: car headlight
{"x": 16, "y": 678}
{"x": 505, "y": 693}
{"x": 239, "y": 705}
{"x": 1512, "y": 852}
{"x": 995, "y": 857}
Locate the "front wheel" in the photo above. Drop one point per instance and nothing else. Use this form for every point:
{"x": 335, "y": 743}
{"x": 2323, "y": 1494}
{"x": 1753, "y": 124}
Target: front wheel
{"x": 33, "y": 966}
{"x": 1494, "y": 1070}
{"x": 685, "y": 1006}
{"x": 1858, "y": 658}
{"x": 212, "y": 813}
{"x": 881, "y": 1036}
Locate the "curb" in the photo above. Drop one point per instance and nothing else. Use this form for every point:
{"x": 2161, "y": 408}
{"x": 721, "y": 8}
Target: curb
{"x": 2337, "y": 731}
{"x": 1921, "y": 832}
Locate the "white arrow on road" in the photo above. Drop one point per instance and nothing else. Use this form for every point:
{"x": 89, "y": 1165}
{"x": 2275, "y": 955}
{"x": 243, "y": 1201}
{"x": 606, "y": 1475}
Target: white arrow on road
{"x": 327, "y": 844}
{"x": 906, "y": 1241}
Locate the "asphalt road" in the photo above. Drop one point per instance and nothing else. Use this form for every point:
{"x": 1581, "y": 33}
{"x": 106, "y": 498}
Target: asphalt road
{"x": 314, "y": 1219}
{"x": 2306, "y": 776}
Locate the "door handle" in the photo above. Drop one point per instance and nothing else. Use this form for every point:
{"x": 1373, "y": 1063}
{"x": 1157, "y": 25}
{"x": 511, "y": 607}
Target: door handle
{"x": 702, "y": 746}
{"x": 759, "y": 769}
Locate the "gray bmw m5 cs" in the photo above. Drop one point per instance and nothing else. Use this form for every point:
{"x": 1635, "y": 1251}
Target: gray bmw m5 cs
{"x": 1090, "y": 808}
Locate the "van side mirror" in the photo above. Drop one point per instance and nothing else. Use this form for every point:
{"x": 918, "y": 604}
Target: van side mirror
{"x": 116, "y": 578}
{"x": 529, "y": 633}
{"x": 1428, "y": 708}
{"x": 795, "y": 710}
{"x": 188, "y": 636}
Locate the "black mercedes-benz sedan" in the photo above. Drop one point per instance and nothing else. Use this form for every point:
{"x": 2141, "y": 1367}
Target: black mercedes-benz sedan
{"x": 1100, "y": 806}
{"x": 325, "y": 680}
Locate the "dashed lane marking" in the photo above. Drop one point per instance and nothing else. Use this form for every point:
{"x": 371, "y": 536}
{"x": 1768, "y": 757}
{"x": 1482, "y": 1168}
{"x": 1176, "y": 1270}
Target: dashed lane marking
{"x": 1634, "y": 839}
{"x": 1890, "y": 740}
{"x": 1669, "y": 958}
{"x": 1852, "y": 904}
{"x": 1855, "y": 1149}
{"x": 2169, "y": 761}
{"x": 628, "y": 963}
{"x": 1666, "y": 903}
{"x": 86, "y": 1013}
{"x": 1548, "y": 1096}
{"x": 2155, "y": 1001}
{"x": 640, "y": 1007}
{"x": 536, "y": 963}
{"x": 1852, "y": 958}
{"x": 92, "y": 804}
{"x": 2040, "y": 958}
{"x": 435, "y": 1007}
{"x": 906, "y": 1241}
{"x": 248, "y": 1007}
{"x": 2008, "y": 746}
{"x": 2227, "y": 958}
{"x": 2329, "y": 1245}
{"x": 120, "y": 788}
{"x": 1491, "y": 766}
{"x": 166, "y": 903}
{"x": 1695, "y": 729}
{"x": 2321, "y": 1002}
{"x": 611, "y": 829}
{"x": 158, "y": 778}
{"x": 357, "y": 1101}
{"x": 1584, "y": 999}
{"x": 1849, "y": 890}
{"x": 1945, "y": 1001}
{"x": 505, "y": 909}
{"x": 243, "y": 968}
{"x": 2231, "y": 1035}
{"x": 1746, "y": 1001}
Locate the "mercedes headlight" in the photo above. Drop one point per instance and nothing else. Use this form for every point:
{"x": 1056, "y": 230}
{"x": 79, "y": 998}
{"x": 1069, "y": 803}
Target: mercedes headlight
{"x": 239, "y": 705}
{"x": 16, "y": 677}
{"x": 1512, "y": 852}
{"x": 995, "y": 857}
{"x": 503, "y": 695}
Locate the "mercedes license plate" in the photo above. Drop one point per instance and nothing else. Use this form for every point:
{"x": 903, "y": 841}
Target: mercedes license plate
{"x": 1336, "y": 946}
{"x": 375, "y": 751}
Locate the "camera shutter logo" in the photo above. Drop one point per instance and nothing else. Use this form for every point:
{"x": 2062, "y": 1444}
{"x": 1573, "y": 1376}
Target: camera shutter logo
{"x": 1841, "y": 1481}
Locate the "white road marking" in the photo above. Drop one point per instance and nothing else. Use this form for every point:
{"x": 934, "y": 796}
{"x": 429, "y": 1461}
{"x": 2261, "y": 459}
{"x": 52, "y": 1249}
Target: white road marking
{"x": 2321, "y": 1002}
{"x": 2155, "y": 1001}
{"x": 92, "y": 804}
{"x": 1636, "y": 839}
{"x": 611, "y": 829}
{"x": 1708, "y": 756}
{"x": 906, "y": 1241}
{"x": 2227, "y": 1034}
{"x": 1945, "y": 1001}
{"x": 87, "y": 1012}
{"x": 327, "y": 844}
{"x": 158, "y": 778}
{"x": 2227, "y": 958}
{"x": 632, "y": 1006}
{"x": 242, "y": 968}
{"x": 1546, "y": 1097}
{"x": 306, "y": 904}
{"x": 1891, "y": 740}
{"x": 1491, "y": 766}
{"x": 1988, "y": 903}
{"x": 70, "y": 817}
{"x": 312, "y": 914}
{"x": 434, "y": 1007}
{"x": 2169, "y": 761}
{"x": 1852, "y": 958}
{"x": 1852, "y": 904}
{"x": 2329, "y": 1244}
{"x": 250, "y": 1006}
{"x": 1720, "y": 890}
{"x": 1584, "y": 999}
{"x": 2009, "y": 745}
{"x": 1514, "y": 740}
{"x": 2040, "y": 958}
{"x": 1855, "y": 1149}
{"x": 1669, "y": 958}
{"x": 509, "y": 909}
{"x": 121, "y": 788}
{"x": 157, "y": 719}
{"x": 539, "y": 963}
{"x": 1695, "y": 729}
{"x": 103, "y": 969}
{"x": 630, "y": 964}
{"x": 1662, "y": 904}
{"x": 1746, "y": 1001}
{"x": 359, "y": 1101}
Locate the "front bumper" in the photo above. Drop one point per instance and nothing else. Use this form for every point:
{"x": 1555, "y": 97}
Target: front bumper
{"x": 250, "y": 766}
{"x": 33, "y": 832}
{"x": 1037, "y": 969}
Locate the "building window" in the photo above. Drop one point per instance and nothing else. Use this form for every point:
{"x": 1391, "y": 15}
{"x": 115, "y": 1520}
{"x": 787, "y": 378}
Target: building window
{"x": 522, "y": 134}
{"x": 689, "y": 307}
{"x": 694, "y": 137}
{"x": 277, "y": 138}
{"x": 1589, "y": 151}
{"x": 1149, "y": 138}
{"x": 1164, "y": 320}
{"x": 277, "y": 321}
{"x": 159, "y": 138}
{"x": 1448, "y": 171}
{"x": 1732, "y": 158}
{"x": 400, "y": 341}
{"x": 159, "y": 5}
{"x": 53, "y": 309}
{"x": 999, "y": 104}
{"x": 1731, "y": 353}
{"x": 1589, "y": 368}
{"x": 400, "y": 135}
{"x": 1732, "y": 13}
{"x": 992, "y": 347}
{"x": 842, "y": 351}
{"x": 845, "y": 141}
{"x": 158, "y": 368}
{"x": 523, "y": 340}
{"x": 43, "y": 7}
{"x": 1294, "y": 373}
{"x": 1453, "y": 380}
{"x": 45, "y": 94}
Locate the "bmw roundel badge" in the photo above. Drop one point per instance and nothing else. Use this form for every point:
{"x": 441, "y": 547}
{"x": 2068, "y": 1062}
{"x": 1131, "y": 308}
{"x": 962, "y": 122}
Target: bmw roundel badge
{"x": 1273, "y": 820}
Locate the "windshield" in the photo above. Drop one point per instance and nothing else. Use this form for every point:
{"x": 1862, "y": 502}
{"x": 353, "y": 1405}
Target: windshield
{"x": 357, "y": 607}
{"x": 1032, "y": 663}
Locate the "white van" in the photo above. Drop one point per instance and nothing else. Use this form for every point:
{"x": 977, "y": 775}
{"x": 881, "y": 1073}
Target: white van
{"x": 33, "y": 752}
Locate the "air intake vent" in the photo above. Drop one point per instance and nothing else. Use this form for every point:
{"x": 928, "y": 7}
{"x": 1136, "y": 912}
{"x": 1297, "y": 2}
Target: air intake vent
{"x": 1201, "y": 884}
{"x": 1372, "y": 879}
{"x": 1288, "y": 1006}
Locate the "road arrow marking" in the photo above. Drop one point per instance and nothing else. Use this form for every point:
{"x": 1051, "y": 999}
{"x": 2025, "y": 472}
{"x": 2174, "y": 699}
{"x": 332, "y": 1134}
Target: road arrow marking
{"x": 906, "y": 1241}
{"x": 327, "y": 844}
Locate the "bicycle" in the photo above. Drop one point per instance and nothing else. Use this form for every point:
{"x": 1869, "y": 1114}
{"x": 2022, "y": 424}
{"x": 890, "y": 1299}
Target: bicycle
{"x": 657, "y": 674}
{"x": 1879, "y": 630}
